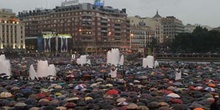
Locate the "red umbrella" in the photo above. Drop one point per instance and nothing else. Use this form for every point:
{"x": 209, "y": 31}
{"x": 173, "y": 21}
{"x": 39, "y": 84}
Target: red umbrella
{"x": 176, "y": 101}
{"x": 191, "y": 87}
{"x": 112, "y": 92}
{"x": 167, "y": 91}
{"x": 70, "y": 76}
{"x": 41, "y": 95}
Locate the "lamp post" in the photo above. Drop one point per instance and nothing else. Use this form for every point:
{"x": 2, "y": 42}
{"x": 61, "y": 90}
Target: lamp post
{"x": 145, "y": 44}
{"x": 149, "y": 45}
{"x": 108, "y": 40}
{"x": 131, "y": 35}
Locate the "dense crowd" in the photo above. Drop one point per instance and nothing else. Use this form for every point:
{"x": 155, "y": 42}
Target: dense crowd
{"x": 90, "y": 87}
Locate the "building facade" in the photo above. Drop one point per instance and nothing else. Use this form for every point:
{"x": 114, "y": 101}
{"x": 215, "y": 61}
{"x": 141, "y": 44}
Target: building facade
{"x": 153, "y": 27}
{"x": 93, "y": 28}
{"x": 6, "y": 13}
{"x": 171, "y": 27}
{"x": 12, "y": 34}
{"x": 140, "y": 38}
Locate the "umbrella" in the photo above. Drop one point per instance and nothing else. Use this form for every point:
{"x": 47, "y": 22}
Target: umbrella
{"x": 198, "y": 109}
{"x": 72, "y": 99}
{"x": 112, "y": 92}
{"x": 26, "y": 90}
{"x": 57, "y": 87}
{"x": 211, "y": 100}
{"x": 20, "y": 104}
{"x": 41, "y": 95}
{"x": 153, "y": 105}
{"x": 61, "y": 108}
{"x": 70, "y": 76}
{"x": 34, "y": 108}
{"x": 58, "y": 94}
{"x": 122, "y": 104}
{"x": 163, "y": 104}
{"x": 180, "y": 107}
{"x": 210, "y": 89}
{"x": 93, "y": 107}
{"x": 166, "y": 91}
{"x": 165, "y": 108}
{"x": 176, "y": 101}
{"x": 109, "y": 85}
{"x": 142, "y": 77}
{"x": 43, "y": 102}
{"x": 211, "y": 85}
{"x": 88, "y": 98}
{"x": 99, "y": 79}
{"x": 171, "y": 88}
{"x": 94, "y": 85}
{"x": 5, "y": 95}
{"x": 177, "y": 84}
{"x": 70, "y": 105}
{"x": 136, "y": 81}
{"x": 142, "y": 108}
{"x": 198, "y": 88}
{"x": 15, "y": 88}
{"x": 80, "y": 86}
{"x": 132, "y": 106}
{"x": 195, "y": 105}
{"x": 121, "y": 99}
{"x": 173, "y": 95}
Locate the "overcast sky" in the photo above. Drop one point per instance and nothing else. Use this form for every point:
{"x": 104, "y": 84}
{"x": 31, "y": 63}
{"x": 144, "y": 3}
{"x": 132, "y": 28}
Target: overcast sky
{"x": 204, "y": 12}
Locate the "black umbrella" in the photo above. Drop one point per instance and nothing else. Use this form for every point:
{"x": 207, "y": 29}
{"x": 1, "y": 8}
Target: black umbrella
{"x": 179, "y": 107}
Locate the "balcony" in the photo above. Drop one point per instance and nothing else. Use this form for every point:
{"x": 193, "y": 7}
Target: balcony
{"x": 86, "y": 39}
{"x": 104, "y": 31}
{"x": 105, "y": 20}
{"x": 86, "y": 19}
{"x": 86, "y": 15}
{"x": 86, "y": 35}
{"x": 118, "y": 30}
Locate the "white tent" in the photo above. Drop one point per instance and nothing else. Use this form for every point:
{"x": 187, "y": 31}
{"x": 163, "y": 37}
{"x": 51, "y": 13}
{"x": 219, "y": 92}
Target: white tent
{"x": 32, "y": 73}
{"x": 148, "y": 62}
{"x": 5, "y": 66}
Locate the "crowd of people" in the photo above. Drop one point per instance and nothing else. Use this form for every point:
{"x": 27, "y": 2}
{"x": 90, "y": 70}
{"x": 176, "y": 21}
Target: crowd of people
{"x": 90, "y": 87}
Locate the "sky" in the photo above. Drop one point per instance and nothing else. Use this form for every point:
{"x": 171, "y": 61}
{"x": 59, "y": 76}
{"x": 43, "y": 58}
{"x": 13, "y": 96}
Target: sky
{"x": 202, "y": 12}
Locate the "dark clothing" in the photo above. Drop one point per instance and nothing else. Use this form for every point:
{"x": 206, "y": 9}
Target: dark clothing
{"x": 215, "y": 106}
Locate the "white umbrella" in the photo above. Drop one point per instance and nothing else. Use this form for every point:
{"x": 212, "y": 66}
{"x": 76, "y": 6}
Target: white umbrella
{"x": 210, "y": 89}
{"x": 173, "y": 95}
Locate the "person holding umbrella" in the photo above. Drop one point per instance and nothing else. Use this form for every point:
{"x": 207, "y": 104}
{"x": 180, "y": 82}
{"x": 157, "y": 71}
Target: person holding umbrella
{"x": 215, "y": 105}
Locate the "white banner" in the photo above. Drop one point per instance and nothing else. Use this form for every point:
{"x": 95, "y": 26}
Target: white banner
{"x": 61, "y": 48}
{"x": 178, "y": 75}
{"x": 66, "y": 44}
{"x": 113, "y": 73}
{"x": 49, "y": 45}
{"x": 57, "y": 43}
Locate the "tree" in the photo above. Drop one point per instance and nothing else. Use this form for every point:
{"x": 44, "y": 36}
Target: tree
{"x": 200, "y": 40}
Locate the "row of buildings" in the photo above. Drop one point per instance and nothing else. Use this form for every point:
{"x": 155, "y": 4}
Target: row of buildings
{"x": 12, "y": 32}
{"x": 83, "y": 27}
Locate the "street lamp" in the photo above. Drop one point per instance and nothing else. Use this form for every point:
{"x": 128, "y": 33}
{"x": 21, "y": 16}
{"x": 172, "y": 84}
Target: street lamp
{"x": 109, "y": 40}
{"x": 145, "y": 44}
{"x": 149, "y": 45}
{"x": 131, "y": 35}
